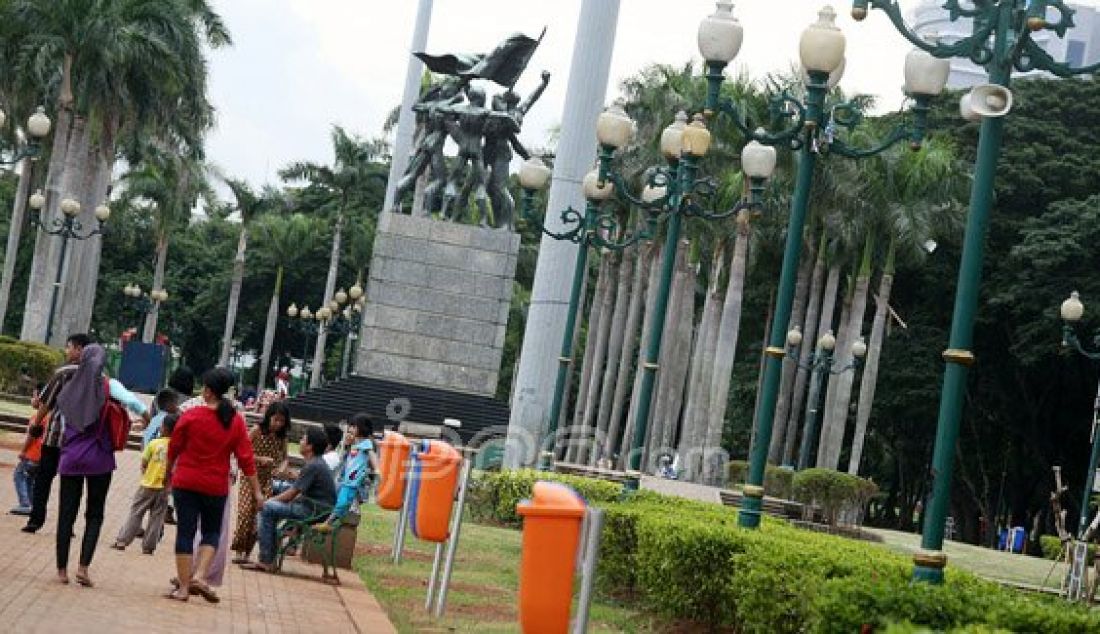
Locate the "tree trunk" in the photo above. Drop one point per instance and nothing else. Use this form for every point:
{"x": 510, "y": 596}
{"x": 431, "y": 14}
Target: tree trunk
{"x": 725, "y": 350}
{"x": 786, "y": 383}
{"x": 642, "y": 271}
{"x": 805, "y": 354}
{"x": 623, "y": 300}
{"x": 269, "y": 331}
{"x": 855, "y": 328}
{"x": 330, "y": 290}
{"x": 643, "y": 341}
{"x": 15, "y": 231}
{"x": 761, "y": 365}
{"x": 235, "y": 297}
{"x": 825, "y": 439}
{"x": 677, "y": 375}
{"x": 592, "y": 336}
{"x": 659, "y": 416}
{"x": 150, "y": 330}
{"x": 874, "y": 352}
{"x": 702, "y": 365}
{"x": 592, "y": 398}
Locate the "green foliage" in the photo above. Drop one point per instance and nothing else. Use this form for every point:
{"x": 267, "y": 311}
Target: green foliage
{"x": 778, "y": 482}
{"x": 495, "y": 494}
{"x": 832, "y": 490}
{"x": 1052, "y": 549}
{"x": 19, "y": 359}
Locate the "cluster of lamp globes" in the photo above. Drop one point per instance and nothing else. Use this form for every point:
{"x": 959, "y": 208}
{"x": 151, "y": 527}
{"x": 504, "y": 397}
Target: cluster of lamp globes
{"x": 70, "y": 207}
{"x": 325, "y": 313}
{"x": 821, "y": 49}
{"x": 827, "y": 342}
{"x": 157, "y": 295}
{"x": 38, "y": 124}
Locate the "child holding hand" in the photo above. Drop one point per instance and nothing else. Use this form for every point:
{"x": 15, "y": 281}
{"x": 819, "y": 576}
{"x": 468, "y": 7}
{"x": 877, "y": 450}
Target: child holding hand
{"x": 152, "y": 495}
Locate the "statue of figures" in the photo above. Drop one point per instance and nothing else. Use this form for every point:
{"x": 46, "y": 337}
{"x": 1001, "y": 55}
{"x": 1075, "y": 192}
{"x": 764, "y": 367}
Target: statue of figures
{"x": 431, "y": 136}
{"x": 500, "y": 138}
{"x": 466, "y": 124}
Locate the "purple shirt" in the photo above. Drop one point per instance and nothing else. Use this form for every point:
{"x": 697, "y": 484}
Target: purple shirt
{"x": 88, "y": 452}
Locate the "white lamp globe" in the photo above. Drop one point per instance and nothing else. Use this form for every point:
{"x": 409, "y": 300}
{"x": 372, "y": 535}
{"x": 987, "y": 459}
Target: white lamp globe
{"x": 306, "y": 314}
{"x": 757, "y": 159}
{"x": 827, "y": 342}
{"x": 324, "y": 313}
{"x": 592, "y": 189}
{"x": 925, "y": 74}
{"x": 834, "y": 77}
{"x": 614, "y": 128}
{"x": 794, "y": 337}
{"x": 37, "y": 201}
{"x": 292, "y": 311}
{"x": 720, "y": 34}
{"x": 70, "y": 207}
{"x": 102, "y": 212}
{"x": 355, "y": 292}
{"x": 859, "y": 348}
{"x": 1072, "y": 308}
{"x": 696, "y": 138}
{"x": 38, "y": 124}
{"x": 341, "y": 297}
{"x": 672, "y": 137}
{"x": 821, "y": 46}
{"x": 534, "y": 174}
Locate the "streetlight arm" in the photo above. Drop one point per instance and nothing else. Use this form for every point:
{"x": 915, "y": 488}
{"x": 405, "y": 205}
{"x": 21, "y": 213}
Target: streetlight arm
{"x": 27, "y": 150}
{"x": 966, "y": 47}
{"x": 68, "y": 228}
{"x": 1034, "y": 57}
{"x": 569, "y": 216}
{"x": 608, "y": 225}
{"x": 780, "y": 105}
{"x": 1070, "y": 340}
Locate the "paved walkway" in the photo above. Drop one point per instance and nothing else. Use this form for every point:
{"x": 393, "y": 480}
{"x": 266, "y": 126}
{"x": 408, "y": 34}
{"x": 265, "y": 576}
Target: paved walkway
{"x": 129, "y": 585}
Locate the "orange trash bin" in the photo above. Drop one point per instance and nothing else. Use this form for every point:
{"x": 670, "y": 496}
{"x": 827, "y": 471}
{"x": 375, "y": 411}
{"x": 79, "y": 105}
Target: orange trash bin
{"x": 393, "y": 456}
{"x": 551, "y": 534}
{"x": 434, "y": 479}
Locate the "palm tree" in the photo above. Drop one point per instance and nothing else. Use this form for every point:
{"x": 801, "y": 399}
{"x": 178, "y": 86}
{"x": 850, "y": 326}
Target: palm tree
{"x": 354, "y": 164}
{"x": 919, "y": 194}
{"x": 116, "y": 68}
{"x": 249, "y": 206}
{"x": 286, "y": 239}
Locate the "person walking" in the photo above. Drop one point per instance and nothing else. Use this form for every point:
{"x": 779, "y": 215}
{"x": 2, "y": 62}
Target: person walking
{"x": 198, "y": 463}
{"x": 87, "y": 456}
{"x": 152, "y": 496}
{"x": 269, "y": 446}
{"x": 51, "y": 427}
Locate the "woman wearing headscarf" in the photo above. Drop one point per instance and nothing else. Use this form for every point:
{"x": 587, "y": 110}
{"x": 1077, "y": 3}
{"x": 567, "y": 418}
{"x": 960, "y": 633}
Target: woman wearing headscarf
{"x": 87, "y": 457}
{"x": 199, "y": 459}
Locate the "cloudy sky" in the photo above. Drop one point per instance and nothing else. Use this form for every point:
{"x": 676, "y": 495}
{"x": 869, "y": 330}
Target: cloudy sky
{"x": 298, "y": 66}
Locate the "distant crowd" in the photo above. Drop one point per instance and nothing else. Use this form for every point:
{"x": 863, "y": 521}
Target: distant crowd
{"x": 193, "y": 449}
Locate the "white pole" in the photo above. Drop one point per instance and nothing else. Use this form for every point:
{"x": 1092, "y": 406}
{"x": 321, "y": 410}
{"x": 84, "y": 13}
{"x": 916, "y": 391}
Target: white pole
{"x": 452, "y": 541}
{"x": 403, "y": 514}
{"x": 538, "y": 361}
{"x": 406, "y": 124}
{"x": 590, "y": 555}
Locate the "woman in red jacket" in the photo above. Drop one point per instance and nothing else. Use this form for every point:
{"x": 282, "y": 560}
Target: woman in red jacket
{"x": 198, "y": 459}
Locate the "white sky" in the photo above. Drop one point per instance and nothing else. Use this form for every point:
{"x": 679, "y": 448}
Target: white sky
{"x": 298, "y": 66}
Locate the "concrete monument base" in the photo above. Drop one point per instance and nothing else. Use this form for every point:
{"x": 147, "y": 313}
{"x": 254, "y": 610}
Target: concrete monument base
{"x": 437, "y": 305}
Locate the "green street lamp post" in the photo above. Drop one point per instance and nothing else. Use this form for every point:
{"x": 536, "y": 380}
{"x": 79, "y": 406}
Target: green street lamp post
{"x": 1072, "y": 310}
{"x": 815, "y": 131}
{"x": 821, "y": 365}
{"x": 68, "y": 227}
{"x": 307, "y": 323}
{"x": 143, "y": 302}
{"x": 671, "y": 193}
{"x": 1001, "y": 41}
{"x": 37, "y": 127}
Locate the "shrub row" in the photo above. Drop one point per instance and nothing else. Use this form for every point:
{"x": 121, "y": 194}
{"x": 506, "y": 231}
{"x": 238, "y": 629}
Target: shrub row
{"x": 689, "y": 560}
{"x": 1052, "y": 548}
{"x": 778, "y": 482}
{"x": 19, "y": 359}
{"x": 833, "y": 491}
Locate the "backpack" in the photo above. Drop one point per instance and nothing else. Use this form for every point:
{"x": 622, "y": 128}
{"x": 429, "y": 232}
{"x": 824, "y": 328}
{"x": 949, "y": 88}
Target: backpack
{"x": 115, "y": 419}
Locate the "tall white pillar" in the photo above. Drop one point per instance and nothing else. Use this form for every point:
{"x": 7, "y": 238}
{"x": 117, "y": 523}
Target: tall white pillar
{"x": 538, "y": 361}
{"x": 406, "y": 123}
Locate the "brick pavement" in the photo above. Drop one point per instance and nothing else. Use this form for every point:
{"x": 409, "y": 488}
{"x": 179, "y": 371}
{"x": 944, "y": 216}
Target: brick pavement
{"x": 129, "y": 585}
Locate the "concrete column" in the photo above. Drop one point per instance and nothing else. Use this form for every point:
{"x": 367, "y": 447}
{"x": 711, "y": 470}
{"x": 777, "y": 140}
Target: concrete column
{"x": 406, "y": 124}
{"x": 538, "y": 361}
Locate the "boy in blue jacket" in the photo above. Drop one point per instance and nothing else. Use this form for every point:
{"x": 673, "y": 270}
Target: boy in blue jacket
{"x": 357, "y": 467}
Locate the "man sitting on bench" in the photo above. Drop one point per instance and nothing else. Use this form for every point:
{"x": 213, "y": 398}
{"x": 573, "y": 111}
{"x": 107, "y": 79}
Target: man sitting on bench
{"x": 312, "y": 496}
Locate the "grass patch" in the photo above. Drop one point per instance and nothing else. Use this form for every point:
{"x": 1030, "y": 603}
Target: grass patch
{"x": 483, "y": 589}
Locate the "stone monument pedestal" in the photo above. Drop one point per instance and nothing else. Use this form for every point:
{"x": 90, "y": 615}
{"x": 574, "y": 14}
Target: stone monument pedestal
{"x": 438, "y": 298}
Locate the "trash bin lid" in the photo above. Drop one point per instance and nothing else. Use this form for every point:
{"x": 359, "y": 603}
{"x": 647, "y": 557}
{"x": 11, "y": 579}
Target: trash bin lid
{"x": 394, "y": 438}
{"x": 552, "y": 499}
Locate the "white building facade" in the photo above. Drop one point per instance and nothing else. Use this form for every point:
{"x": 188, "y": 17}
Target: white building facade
{"x": 1079, "y": 47}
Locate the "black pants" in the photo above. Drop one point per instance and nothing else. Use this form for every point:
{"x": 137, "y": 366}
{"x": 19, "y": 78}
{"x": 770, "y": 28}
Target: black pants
{"x": 197, "y": 512}
{"x": 72, "y": 487}
{"x": 40, "y": 498}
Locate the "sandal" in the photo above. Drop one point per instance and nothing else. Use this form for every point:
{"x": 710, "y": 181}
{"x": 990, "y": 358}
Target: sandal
{"x": 83, "y": 580}
{"x": 175, "y": 596}
{"x": 258, "y": 566}
{"x": 205, "y": 591}
{"x": 241, "y": 560}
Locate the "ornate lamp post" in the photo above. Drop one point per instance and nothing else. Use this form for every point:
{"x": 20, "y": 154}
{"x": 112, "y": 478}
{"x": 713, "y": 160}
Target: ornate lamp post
{"x": 143, "y": 302}
{"x": 821, "y": 365}
{"x": 347, "y": 320}
{"x": 1000, "y": 42}
{"x": 37, "y": 127}
{"x": 68, "y": 227}
{"x": 1072, "y": 310}
{"x": 814, "y": 131}
{"x": 671, "y": 193}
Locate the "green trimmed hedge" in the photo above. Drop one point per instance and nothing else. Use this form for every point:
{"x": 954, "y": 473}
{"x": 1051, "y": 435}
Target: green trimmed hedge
{"x": 832, "y": 490}
{"x": 19, "y": 358}
{"x": 494, "y": 495}
{"x": 1052, "y": 548}
{"x": 778, "y": 482}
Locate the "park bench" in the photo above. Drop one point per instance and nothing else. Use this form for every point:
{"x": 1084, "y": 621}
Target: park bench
{"x": 317, "y": 541}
